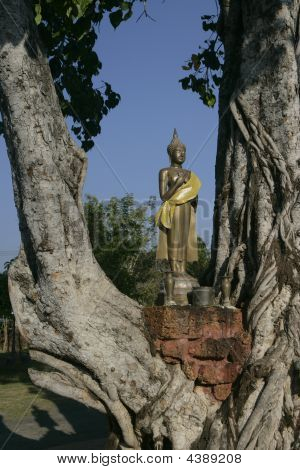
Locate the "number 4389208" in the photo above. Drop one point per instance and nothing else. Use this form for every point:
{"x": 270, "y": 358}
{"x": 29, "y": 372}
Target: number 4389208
{"x": 214, "y": 458}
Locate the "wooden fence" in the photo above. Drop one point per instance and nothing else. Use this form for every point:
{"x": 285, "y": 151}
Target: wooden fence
{"x": 10, "y": 338}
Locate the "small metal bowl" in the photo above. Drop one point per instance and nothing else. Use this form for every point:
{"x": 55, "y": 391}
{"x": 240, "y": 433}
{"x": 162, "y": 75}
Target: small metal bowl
{"x": 203, "y": 297}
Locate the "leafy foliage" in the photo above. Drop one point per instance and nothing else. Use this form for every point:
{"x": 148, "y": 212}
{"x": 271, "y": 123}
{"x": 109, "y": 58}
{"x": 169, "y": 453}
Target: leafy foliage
{"x": 69, "y": 29}
{"x": 122, "y": 234}
{"x": 198, "y": 269}
{"x": 206, "y": 65}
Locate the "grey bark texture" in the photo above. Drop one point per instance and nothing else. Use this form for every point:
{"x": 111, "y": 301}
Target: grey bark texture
{"x": 93, "y": 337}
{"x": 256, "y": 225}
{"x": 68, "y": 311}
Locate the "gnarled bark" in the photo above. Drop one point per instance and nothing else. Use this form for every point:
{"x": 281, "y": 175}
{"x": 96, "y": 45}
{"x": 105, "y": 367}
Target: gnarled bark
{"x": 257, "y": 207}
{"x": 71, "y": 315}
{"x": 80, "y": 325}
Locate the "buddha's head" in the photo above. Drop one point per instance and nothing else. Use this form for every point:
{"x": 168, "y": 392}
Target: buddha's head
{"x": 176, "y": 149}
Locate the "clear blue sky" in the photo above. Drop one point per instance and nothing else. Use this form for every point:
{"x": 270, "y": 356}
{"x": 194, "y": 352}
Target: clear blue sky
{"x": 142, "y": 61}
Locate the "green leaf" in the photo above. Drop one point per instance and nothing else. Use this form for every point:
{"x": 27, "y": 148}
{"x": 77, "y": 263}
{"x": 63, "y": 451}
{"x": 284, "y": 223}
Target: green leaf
{"x": 196, "y": 59}
{"x": 38, "y": 19}
{"x": 38, "y": 13}
{"x": 38, "y": 8}
{"x": 125, "y": 5}
{"x": 115, "y": 18}
{"x": 211, "y": 60}
{"x": 216, "y": 79}
{"x": 210, "y": 100}
{"x": 68, "y": 29}
{"x": 82, "y": 6}
{"x": 209, "y": 26}
{"x": 185, "y": 83}
{"x": 76, "y": 130}
{"x": 128, "y": 15}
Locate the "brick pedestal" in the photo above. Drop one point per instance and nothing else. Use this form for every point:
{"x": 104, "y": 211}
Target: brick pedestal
{"x": 209, "y": 342}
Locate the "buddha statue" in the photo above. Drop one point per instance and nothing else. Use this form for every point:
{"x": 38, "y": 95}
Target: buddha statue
{"x": 176, "y": 220}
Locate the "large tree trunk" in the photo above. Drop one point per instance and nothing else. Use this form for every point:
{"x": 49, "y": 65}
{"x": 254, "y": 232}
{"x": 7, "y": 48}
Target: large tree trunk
{"x": 257, "y": 223}
{"x": 71, "y": 315}
{"x": 91, "y": 335}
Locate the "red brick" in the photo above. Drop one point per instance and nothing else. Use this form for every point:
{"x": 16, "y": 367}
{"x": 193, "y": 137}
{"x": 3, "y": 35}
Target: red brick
{"x": 209, "y": 342}
{"x": 221, "y": 392}
{"x": 193, "y": 322}
{"x": 175, "y": 348}
{"x": 218, "y": 372}
{"x": 167, "y": 322}
{"x": 215, "y": 322}
{"x": 210, "y": 348}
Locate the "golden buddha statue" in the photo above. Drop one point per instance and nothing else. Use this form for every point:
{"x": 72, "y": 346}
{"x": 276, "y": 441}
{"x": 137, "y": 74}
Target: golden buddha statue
{"x": 176, "y": 220}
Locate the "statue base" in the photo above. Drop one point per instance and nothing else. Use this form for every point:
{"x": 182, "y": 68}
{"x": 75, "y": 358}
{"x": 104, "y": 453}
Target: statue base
{"x": 183, "y": 287}
{"x": 209, "y": 343}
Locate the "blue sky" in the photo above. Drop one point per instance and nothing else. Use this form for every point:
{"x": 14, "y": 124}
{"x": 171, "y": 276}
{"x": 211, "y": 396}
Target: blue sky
{"x": 142, "y": 61}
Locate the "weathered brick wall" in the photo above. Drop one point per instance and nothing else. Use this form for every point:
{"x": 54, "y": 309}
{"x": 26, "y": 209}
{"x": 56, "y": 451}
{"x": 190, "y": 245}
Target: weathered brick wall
{"x": 209, "y": 342}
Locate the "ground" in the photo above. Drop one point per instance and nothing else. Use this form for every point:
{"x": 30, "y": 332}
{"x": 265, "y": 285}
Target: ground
{"x": 31, "y": 418}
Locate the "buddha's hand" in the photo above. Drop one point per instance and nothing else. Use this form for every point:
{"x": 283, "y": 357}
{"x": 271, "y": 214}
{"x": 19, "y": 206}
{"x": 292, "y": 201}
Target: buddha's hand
{"x": 186, "y": 176}
{"x": 182, "y": 179}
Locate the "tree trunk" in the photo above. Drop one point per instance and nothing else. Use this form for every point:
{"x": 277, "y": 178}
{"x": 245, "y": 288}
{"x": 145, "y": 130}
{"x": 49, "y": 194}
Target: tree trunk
{"x": 257, "y": 223}
{"x": 92, "y": 336}
{"x": 68, "y": 311}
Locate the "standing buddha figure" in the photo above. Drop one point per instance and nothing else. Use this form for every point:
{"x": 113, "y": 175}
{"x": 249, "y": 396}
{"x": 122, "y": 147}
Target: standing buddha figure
{"x": 176, "y": 220}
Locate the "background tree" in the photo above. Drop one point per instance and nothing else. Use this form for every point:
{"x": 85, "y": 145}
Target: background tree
{"x": 123, "y": 238}
{"x": 93, "y": 336}
{"x": 199, "y": 269}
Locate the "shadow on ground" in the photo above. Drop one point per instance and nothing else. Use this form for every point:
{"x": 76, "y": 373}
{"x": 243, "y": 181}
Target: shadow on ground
{"x": 31, "y": 418}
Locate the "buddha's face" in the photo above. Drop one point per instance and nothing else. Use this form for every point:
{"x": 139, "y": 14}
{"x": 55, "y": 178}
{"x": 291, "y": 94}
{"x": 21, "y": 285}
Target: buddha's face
{"x": 178, "y": 155}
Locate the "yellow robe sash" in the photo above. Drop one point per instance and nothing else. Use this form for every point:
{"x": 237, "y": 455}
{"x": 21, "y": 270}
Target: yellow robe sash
{"x": 187, "y": 192}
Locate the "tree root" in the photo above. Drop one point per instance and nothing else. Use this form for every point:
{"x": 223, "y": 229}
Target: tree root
{"x": 83, "y": 381}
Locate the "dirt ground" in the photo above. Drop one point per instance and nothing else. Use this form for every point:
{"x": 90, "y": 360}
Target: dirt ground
{"x": 32, "y": 418}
